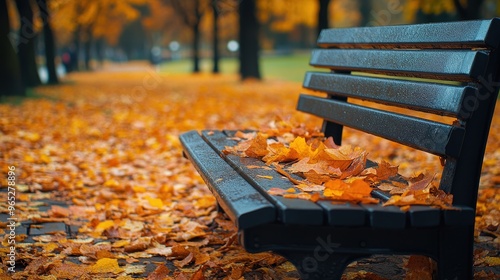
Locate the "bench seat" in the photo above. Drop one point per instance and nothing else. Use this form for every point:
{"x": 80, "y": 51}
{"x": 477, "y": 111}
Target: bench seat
{"x": 243, "y": 194}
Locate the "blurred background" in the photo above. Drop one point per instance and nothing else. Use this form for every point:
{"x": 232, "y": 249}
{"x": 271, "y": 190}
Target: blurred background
{"x": 44, "y": 40}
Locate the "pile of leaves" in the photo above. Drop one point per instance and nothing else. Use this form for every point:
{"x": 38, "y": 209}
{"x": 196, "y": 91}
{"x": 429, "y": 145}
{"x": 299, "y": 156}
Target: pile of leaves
{"x": 102, "y": 150}
{"x": 331, "y": 172}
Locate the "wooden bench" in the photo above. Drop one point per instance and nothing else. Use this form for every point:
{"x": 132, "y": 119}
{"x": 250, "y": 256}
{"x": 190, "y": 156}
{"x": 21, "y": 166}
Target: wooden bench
{"x": 321, "y": 238}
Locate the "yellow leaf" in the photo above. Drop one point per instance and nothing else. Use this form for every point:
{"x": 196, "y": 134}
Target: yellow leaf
{"x": 120, "y": 243}
{"x": 30, "y": 136}
{"x": 139, "y": 189}
{"x": 205, "y": 202}
{"x": 492, "y": 261}
{"x": 300, "y": 146}
{"x": 111, "y": 183}
{"x": 265, "y": 177}
{"x": 50, "y": 247}
{"x": 155, "y": 202}
{"x": 102, "y": 226}
{"x": 45, "y": 158}
{"x": 106, "y": 265}
{"x": 28, "y": 158}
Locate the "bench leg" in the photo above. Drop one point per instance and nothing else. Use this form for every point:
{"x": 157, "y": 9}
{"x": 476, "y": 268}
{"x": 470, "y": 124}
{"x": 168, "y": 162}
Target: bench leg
{"x": 456, "y": 253}
{"x": 320, "y": 265}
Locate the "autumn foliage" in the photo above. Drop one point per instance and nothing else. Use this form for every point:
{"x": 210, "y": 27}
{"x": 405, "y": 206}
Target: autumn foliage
{"x": 103, "y": 149}
{"x": 331, "y": 172}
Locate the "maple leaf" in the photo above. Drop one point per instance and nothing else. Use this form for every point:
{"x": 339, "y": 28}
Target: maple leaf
{"x": 320, "y": 167}
{"x": 300, "y": 146}
{"x": 356, "y": 191}
{"x": 356, "y": 167}
{"x": 386, "y": 171}
{"x": 278, "y": 152}
{"x": 341, "y": 157}
{"x": 258, "y": 146}
{"x": 421, "y": 182}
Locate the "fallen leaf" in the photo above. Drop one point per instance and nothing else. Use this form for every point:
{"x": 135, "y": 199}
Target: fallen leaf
{"x": 106, "y": 265}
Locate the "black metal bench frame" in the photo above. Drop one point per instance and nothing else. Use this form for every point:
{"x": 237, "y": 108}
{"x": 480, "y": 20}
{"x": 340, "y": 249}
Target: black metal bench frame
{"x": 322, "y": 238}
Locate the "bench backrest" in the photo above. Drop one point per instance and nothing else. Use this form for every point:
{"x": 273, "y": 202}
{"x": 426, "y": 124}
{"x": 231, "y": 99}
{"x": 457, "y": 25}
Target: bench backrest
{"x": 463, "y": 53}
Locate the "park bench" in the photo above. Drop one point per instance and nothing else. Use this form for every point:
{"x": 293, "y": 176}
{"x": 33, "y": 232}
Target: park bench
{"x": 410, "y": 67}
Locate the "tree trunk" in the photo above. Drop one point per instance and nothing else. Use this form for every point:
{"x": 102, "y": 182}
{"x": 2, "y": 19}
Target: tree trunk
{"x": 75, "y": 54}
{"x": 472, "y": 9}
{"x": 323, "y": 15}
{"x": 196, "y": 47}
{"x": 215, "y": 40}
{"x": 26, "y": 45}
{"x": 365, "y": 9}
{"x": 48, "y": 40}
{"x": 87, "y": 48}
{"x": 99, "y": 51}
{"x": 249, "y": 40}
{"x": 10, "y": 73}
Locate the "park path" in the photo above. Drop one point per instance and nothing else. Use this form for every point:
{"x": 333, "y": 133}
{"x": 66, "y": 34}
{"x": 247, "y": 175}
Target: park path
{"x": 103, "y": 189}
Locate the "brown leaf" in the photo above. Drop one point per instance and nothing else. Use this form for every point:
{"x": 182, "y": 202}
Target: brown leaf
{"x": 258, "y": 146}
{"x": 418, "y": 268}
{"x": 160, "y": 273}
{"x": 188, "y": 259}
{"x": 422, "y": 182}
{"x": 386, "y": 171}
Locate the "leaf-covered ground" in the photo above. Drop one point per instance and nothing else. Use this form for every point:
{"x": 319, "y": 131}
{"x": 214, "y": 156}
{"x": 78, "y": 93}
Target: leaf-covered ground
{"x": 101, "y": 154}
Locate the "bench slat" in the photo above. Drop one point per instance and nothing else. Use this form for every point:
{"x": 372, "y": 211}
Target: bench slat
{"x": 346, "y": 214}
{"x": 456, "y": 65}
{"x": 424, "y": 216}
{"x": 241, "y": 201}
{"x": 290, "y": 211}
{"x": 427, "y": 97}
{"x": 389, "y": 217}
{"x": 463, "y": 34}
{"x": 425, "y": 135}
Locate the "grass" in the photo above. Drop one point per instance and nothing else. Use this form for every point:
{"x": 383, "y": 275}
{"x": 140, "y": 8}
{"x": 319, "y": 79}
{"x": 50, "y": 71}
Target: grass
{"x": 283, "y": 67}
{"x": 17, "y": 100}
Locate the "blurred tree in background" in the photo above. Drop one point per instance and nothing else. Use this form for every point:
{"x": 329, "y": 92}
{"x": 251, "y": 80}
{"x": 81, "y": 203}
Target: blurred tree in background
{"x": 26, "y": 44}
{"x": 10, "y": 72}
{"x": 49, "y": 43}
{"x": 81, "y": 34}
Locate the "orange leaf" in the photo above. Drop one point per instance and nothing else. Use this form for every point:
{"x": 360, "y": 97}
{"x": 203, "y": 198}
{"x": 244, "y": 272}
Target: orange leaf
{"x": 300, "y": 146}
{"x": 360, "y": 187}
{"x": 104, "y": 225}
{"x": 258, "y": 146}
{"x": 385, "y": 170}
{"x": 279, "y": 153}
{"x": 335, "y": 188}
